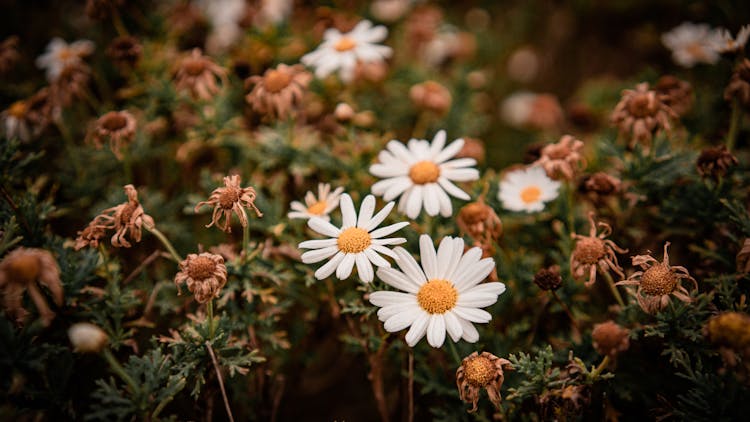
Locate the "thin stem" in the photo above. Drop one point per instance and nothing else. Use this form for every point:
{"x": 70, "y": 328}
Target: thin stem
{"x": 454, "y": 352}
{"x": 127, "y": 166}
{"x": 245, "y": 240}
{"x": 615, "y": 292}
{"x": 120, "y": 371}
{"x": 221, "y": 380}
{"x": 117, "y": 21}
{"x": 566, "y": 309}
{"x": 210, "y": 319}
{"x": 165, "y": 402}
{"x": 420, "y": 127}
{"x": 159, "y": 235}
{"x": 595, "y": 373}
{"x": 734, "y": 124}
{"x": 105, "y": 262}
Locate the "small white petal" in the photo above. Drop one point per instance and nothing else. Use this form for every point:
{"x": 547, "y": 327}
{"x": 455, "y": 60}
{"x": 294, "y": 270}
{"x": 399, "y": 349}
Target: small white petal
{"x": 409, "y": 265}
{"x": 470, "y": 334}
{"x": 317, "y": 255}
{"x": 364, "y": 268}
{"x": 375, "y": 258}
{"x": 345, "y": 267}
{"x": 317, "y": 243}
{"x": 400, "y": 321}
{"x": 418, "y": 329}
{"x": 365, "y": 211}
{"x": 475, "y": 275}
{"x": 329, "y": 267}
{"x": 379, "y": 217}
{"x": 348, "y": 214}
{"x": 323, "y": 227}
{"x": 431, "y": 199}
{"x": 453, "y": 326}
{"x": 414, "y": 204}
{"x": 472, "y": 314}
{"x": 452, "y": 189}
{"x": 388, "y": 230}
{"x": 476, "y": 300}
{"x": 429, "y": 257}
{"x": 387, "y": 298}
{"x": 388, "y": 311}
{"x": 450, "y": 151}
{"x": 436, "y": 330}
{"x": 397, "y": 279}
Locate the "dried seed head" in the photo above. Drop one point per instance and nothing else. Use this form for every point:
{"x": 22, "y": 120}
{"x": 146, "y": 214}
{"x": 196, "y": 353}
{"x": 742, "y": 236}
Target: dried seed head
{"x": 201, "y": 268}
{"x": 602, "y": 184}
{"x": 729, "y": 329}
{"x": 548, "y": 278}
{"x": 479, "y": 371}
{"x": 739, "y": 85}
{"x": 715, "y": 161}
{"x": 589, "y": 250}
{"x": 87, "y": 338}
{"x": 658, "y": 280}
{"x": 610, "y": 339}
{"x": 228, "y": 197}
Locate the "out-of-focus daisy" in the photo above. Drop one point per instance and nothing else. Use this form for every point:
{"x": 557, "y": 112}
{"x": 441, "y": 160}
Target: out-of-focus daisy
{"x": 563, "y": 159}
{"x": 273, "y": 12}
{"x": 224, "y": 16}
{"x": 198, "y": 74}
{"x": 279, "y": 91}
{"x": 117, "y": 127}
{"x": 692, "y": 44}
{"x": 342, "y": 51}
{"x": 527, "y": 189}
{"x": 356, "y": 242}
{"x": 729, "y": 44}
{"x": 15, "y": 121}
{"x": 641, "y": 113}
{"x": 321, "y": 206}
{"x": 60, "y": 55}
{"x": 444, "y": 295}
{"x": 423, "y": 174}
{"x": 527, "y": 110}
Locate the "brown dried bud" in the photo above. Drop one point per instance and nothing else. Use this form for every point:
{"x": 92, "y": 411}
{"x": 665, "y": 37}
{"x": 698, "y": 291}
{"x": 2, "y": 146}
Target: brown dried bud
{"x": 610, "y": 339}
{"x": 125, "y": 51}
{"x": 602, "y": 184}
{"x": 675, "y": 93}
{"x": 715, "y": 161}
{"x": 431, "y": 96}
{"x": 739, "y": 85}
{"x": 548, "y": 278}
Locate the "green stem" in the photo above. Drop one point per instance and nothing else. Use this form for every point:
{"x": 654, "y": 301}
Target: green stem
{"x": 117, "y": 21}
{"x": 566, "y": 309}
{"x": 159, "y": 235}
{"x": 210, "y": 318}
{"x": 734, "y": 124}
{"x": 615, "y": 292}
{"x": 595, "y": 373}
{"x": 165, "y": 402}
{"x": 245, "y": 241}
{"x": 420, "y": 127}
{"x": 454, "y": 352}
{"x": 120, "y": 371}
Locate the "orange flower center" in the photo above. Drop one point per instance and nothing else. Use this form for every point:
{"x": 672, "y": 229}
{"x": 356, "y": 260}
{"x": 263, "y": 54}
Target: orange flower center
{"x": 530, "y": 194}
{"x": 201, "y": 268}
{"x": 424, "y": 172}
{"x": 317, "y": 208}
{"x": 437, "y": 296}
{"x": 658, "y": 280}
{"x": 228, "y": 197}
{"x": 276, "y": 80}
{"x": 65, "y": 54}
{"x": 114, "y": 122}
{"x": 354, "y": 240}
{"x": 345, "y": 44}
{"x": 23, "y": 269}
{"x": 589, "y": 250}
{"x": 479, "y": 371}
{"x": 17, "y": 109}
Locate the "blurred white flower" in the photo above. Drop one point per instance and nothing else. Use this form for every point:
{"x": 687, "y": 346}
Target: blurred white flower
{"x": 693, "y": 43}
{"x": 60, "y": 55}
{"x": 527, "y": 189}
{"x": 321, "y": 206}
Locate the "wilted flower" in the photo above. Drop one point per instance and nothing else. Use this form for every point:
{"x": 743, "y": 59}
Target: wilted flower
{"x": 675, "y": 93}
{"x": 444, "y": 295}
{"x": 60, "y": 55}
{"x": 548, "y": 278}
{"x": 731, "y": 330}
{"x": 715, "y": 161}
{"x": 356, "y": 242}
{"x": 600, "y": 185}
{"x": 87, "y": 338}
{"x": 523, "y": 64}
{"x": 657, "y": 282}
{"x": 198, "y": 74}
{"x": 422, "y": 25}
{"x": 117, "y": 127}
{"x": 535, "y": 111}
{"x": 8, "y": 54}
{"x": 563, "y": 159}
{"x": 609, "y": 339}
{"x": 321, "y": 206}
{"x": 204, "y": 274}
{"x": 431, "y": 96}
{"x": 342, "y": 51}
{"x": 479, "y": 220}
{"x": 22, "y": 270}
{"x": 71, "y": 84}
{"x": 125, "y": 50}
{"x": 693, "y": 43}
{"x": 527, "y": 189}
{"x": 739, "y": 85}
{"x": 422, "y": 173}
{"x": 92, "y": 234}
{"x": 343, "y": 112}
{"x": 640, "y": 113}
{"x": 279, "y": 91}
{"x": 479, "y": 371}
{"x": 729, "y": 44}
{"x": 232, "y": 198}
{"x": 126, "y": 219}
{"x": 594, "y": 252}
{"x": 273, "y": 12}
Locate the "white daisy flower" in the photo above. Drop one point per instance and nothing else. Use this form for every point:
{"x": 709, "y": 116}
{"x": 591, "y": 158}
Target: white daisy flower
{"x": 527, "y": 189}
{"x": 342, "y": 51}
{"x": 421, "y": 173}
{"x": 729, "y": 44}
{"x": 321, "y": 206}
{"x": 60, "y": 54}
{"x": 693, "y": 43}
{"x": 444, "y": 295}
{"x": 356, "y": 242}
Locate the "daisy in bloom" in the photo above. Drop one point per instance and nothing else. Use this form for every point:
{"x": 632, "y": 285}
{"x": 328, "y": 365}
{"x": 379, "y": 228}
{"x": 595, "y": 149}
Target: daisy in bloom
{"x": 321, "y": 206}
{"x": 730, "y": 44}
{"x": 423, "y": 175}
{"x": 356, "y": 242}
{"x": 342, "y": 51}
{"x": 693, "y": 43}
{"x": 527, "y": 189}
{"x": 60, "y": 55}
{"x": 443, "y": 295}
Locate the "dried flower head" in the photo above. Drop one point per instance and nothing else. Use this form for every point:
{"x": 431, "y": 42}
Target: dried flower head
{"x": 563, "y": 159}
{"x": 479, "y": 220}
{"x": 125, "y": 51}
{"x": 739, "y": 85}
{"x": 71, "y": 84}
{"x": 23, "y": 269}
{"x": 431, "y": 96}
{"x": 479, "y": 371}
{"x": 600, "y": 185}
{"x": 675, "y": 93}
{"x": 641, "y": 113}
{"x": 92, "y": 234}
{"x": 279, "y": 91}
{"x": 87, "y": 338}
{"x": 657, "y": 282}
{"x": 204, "y": 274}
{"x": 117, "y": 127}
{"x": 232, "y": 198}
{"x": 548, "y": 278}
{"x": 610, "y": 339}
{"x": 126, "y": 219}
{"x": 715, "y": 161}
{"x": 8, "y": 54}
{"x": 594, "y": 252}
{"x": 729, "y": 329}
{"x": 198, "y": 74}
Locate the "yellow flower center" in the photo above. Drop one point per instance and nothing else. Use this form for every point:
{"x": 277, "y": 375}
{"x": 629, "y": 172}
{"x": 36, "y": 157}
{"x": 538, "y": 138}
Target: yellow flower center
{"x": 201, "y": 268}
{"x": 658, "y": 280}
{"x": 354, "y": 240}
{"x": 276, "y": 80}
{"x": 589, "y": 250}
{"x": 65, "y": 54}
{"x": 228, "y": 197}
{"x": 424, "y": 172}
{"x": 23, "y": 269}
{"x": 437, "y": 296}
{"x": 479, "y": 371}
{"x": 17, "y": 109}
{"x": 345, "y": 44}
{"x": 530, "y": 194}
{"x": 317, "y": 208}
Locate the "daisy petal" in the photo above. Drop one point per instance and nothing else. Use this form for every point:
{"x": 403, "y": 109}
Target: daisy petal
{"x": 323, "y": 227}
{"x": 453, "y": 326}
{"x": 418, "y": 329}
{"x": 472, "y": 314}
{"x": 317, "y": 255}
{"x": 436, "y": 330}
{"x": 397, "y": 279}
{"x": 402, "y": 320}
{"x": 388, "y": 230}
{"x": 388, "y": 298}
{"x": 317, "y": 244}
{"x": 470, "y": 333}
{"x": 347, "y": 211}
{"x": 379, "y": 217}
{"x": 345, "y": 268}
{"x": 329, "y": 267}
{"x": 364, "y": 268}
{"x": 409, "y": 266}
{"x": 429, "y": 258}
